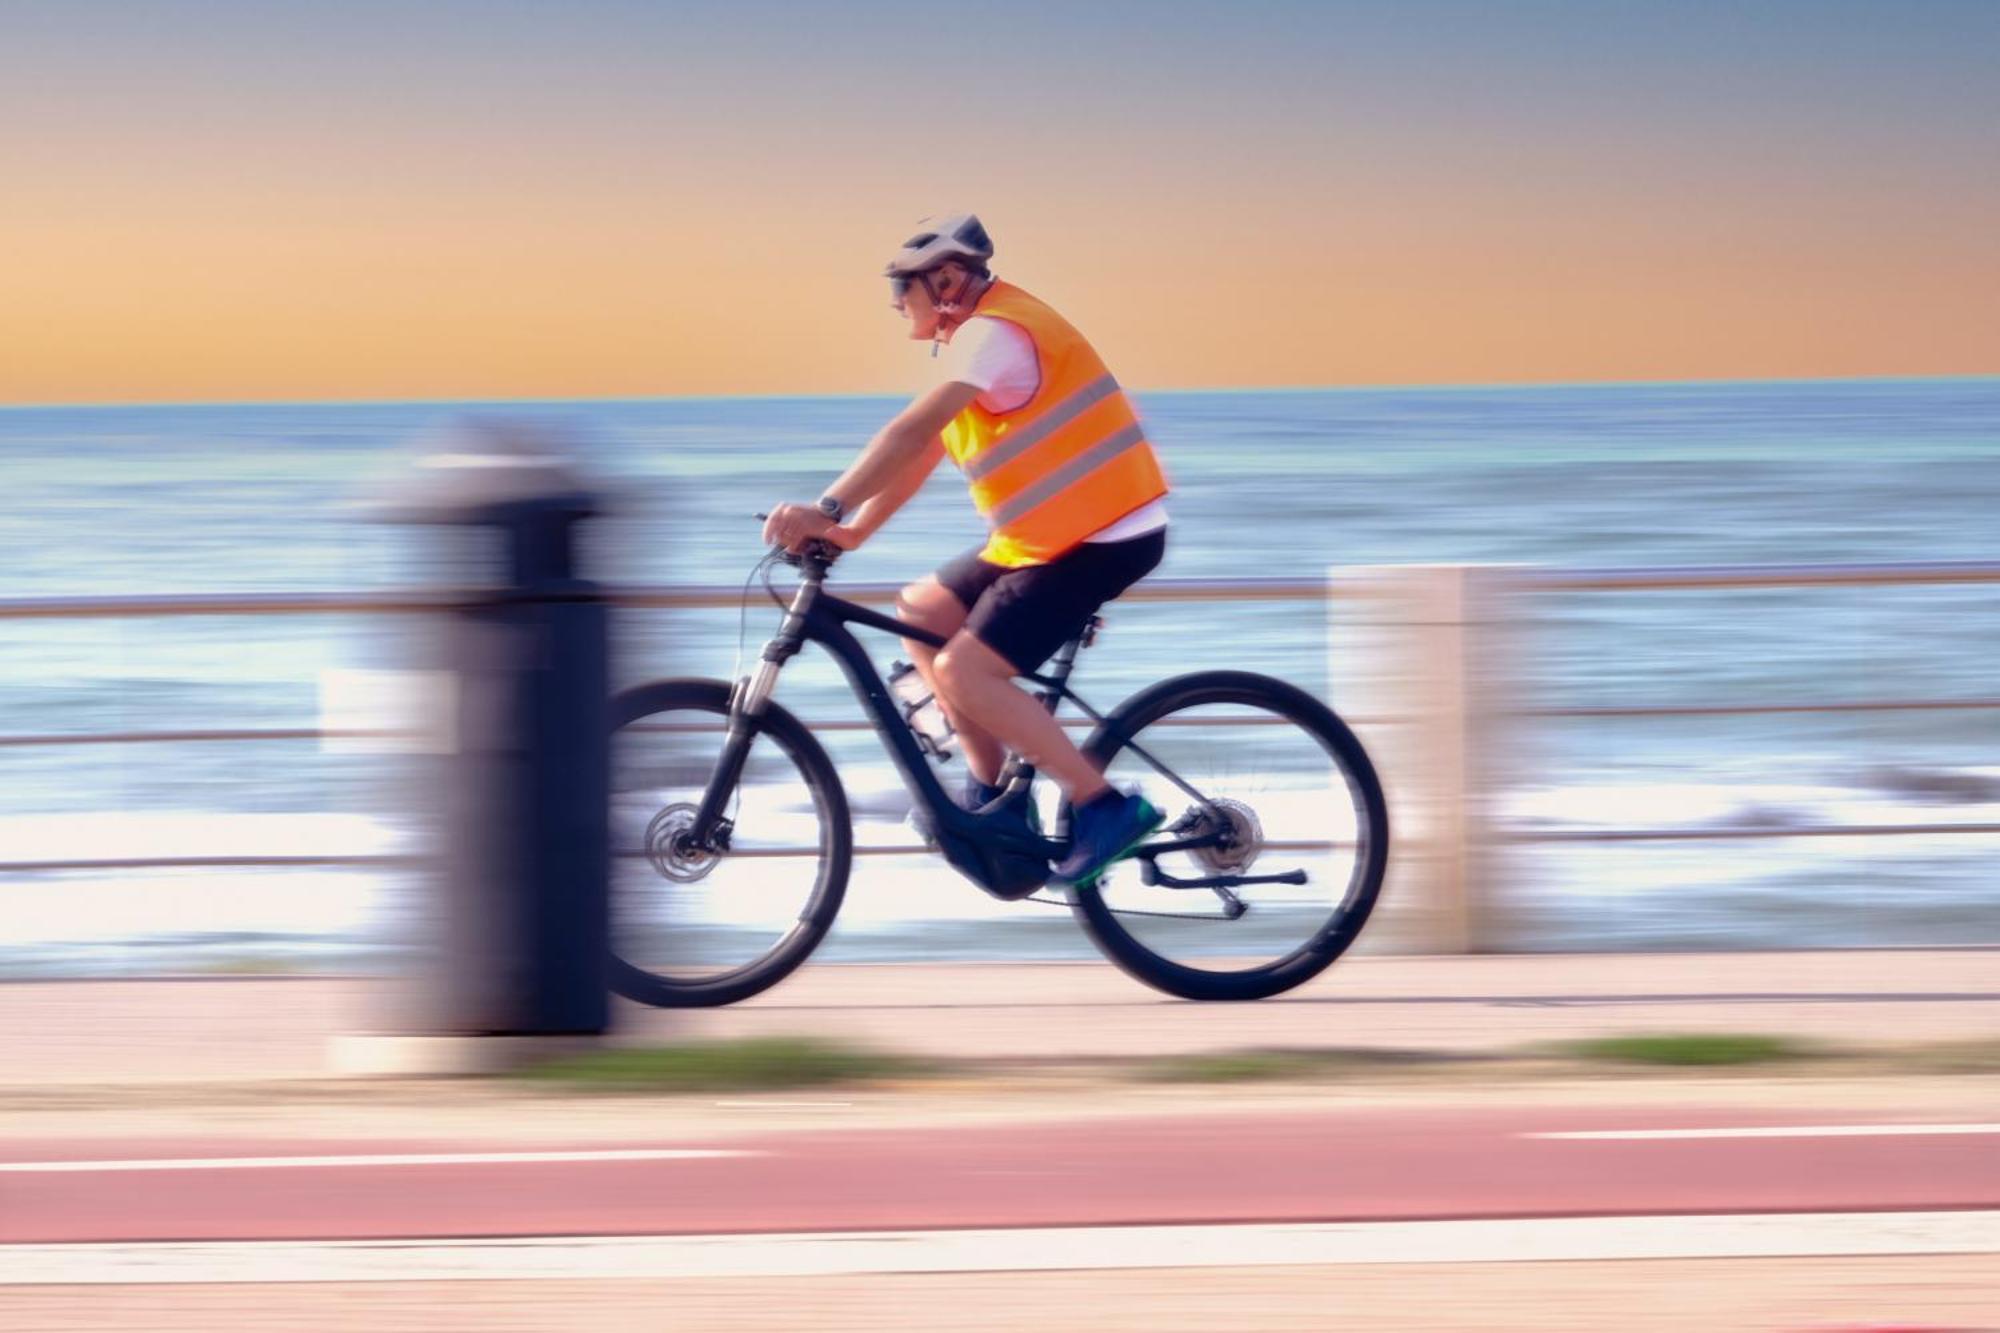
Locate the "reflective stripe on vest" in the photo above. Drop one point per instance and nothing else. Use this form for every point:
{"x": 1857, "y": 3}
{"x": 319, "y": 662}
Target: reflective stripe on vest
{"x": 1070, "y": 461}
{"x": 1063, "y": 477}
{"x": 1013, "y": 446}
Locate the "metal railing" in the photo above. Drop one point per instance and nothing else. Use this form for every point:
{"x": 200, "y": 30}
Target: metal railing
{"x": 1727, "y": 577}
{"x": 1509, "y": 580}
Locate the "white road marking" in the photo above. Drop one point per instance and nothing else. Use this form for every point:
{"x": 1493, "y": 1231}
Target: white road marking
{"x": 1504, "y": 1240}
{"x": 1771, "y": 1132}
{"x": 379, "y": 1159}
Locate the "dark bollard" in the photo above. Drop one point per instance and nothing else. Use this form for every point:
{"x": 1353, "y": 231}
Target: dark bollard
{"x": 525, "y": 872}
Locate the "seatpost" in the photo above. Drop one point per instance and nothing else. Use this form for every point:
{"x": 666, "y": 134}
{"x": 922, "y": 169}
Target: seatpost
{"x": 1064, "y": 662}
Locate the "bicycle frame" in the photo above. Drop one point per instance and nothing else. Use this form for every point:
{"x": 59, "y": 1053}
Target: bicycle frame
{"x": 817, "y": 616}
{"x": 998, "y": 846}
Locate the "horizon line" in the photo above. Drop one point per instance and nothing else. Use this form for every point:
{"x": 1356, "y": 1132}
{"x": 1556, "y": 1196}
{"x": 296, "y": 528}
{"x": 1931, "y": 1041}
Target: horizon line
{"x": 1490, "y": 386}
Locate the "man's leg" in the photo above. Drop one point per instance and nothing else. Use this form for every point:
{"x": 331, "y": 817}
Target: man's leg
{"x": 1021, "y": 617}
{"x": 929, "y": 605}
{"x": 1106, "y": 824}
{"x": 978, "y": 684}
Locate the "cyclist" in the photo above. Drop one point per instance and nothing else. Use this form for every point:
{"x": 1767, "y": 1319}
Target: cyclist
{"x": 1061, "y": 470}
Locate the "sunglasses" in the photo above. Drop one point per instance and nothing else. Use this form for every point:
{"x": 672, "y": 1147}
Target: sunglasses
{"x": 900, "y": 284}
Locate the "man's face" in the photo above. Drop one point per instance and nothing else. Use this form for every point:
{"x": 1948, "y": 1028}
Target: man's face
{"x": 917, "y": 307}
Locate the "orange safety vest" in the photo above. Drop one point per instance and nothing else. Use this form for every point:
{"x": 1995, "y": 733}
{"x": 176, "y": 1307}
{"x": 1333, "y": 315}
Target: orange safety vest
{"x": 1069, "y": 461}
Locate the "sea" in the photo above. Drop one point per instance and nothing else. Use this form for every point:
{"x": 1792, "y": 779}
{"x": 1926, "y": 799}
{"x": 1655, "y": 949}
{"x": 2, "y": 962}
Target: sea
{"x": 151, "y": 501}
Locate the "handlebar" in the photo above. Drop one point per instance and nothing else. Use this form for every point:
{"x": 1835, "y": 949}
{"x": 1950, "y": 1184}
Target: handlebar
{"x": 816, "y": 553}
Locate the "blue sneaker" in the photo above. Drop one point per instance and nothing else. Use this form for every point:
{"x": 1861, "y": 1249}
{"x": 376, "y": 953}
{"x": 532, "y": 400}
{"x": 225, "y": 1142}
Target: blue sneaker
{"x": 1103, "y": 831}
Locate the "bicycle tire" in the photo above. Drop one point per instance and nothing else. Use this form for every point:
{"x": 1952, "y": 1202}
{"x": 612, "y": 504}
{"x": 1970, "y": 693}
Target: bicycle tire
{"x": 1118, "y": 943}
{"x": 829, "y": 890}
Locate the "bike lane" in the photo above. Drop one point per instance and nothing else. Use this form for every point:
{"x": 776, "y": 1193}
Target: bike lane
{"x": 1337, "y": 1165}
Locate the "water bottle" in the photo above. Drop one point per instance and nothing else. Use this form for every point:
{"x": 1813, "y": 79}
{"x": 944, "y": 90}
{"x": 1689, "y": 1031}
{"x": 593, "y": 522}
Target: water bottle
{"x": 921, "y": 709}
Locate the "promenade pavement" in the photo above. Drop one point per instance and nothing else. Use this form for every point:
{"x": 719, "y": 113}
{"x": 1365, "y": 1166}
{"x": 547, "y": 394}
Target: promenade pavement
{"x": 237, "y": 1029}
{"x": 1854, "y": 1294}
{"x": 103, "y": 1076}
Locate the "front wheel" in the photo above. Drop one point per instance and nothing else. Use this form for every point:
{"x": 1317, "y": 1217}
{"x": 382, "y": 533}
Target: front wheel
{"x": 1275, "y": 785}
{"x": 694, "y": 926}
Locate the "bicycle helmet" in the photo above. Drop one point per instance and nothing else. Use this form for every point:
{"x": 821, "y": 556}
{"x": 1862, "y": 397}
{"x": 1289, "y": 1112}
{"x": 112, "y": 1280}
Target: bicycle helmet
{"x": 957, "y": 236}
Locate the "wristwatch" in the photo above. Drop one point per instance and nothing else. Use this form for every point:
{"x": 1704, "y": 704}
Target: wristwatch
{"x": 832, "y": 508}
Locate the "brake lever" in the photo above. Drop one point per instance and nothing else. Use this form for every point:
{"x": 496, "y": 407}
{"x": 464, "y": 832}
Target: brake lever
{"x": 778, "y": 551}
{"x": 823, "y": 551}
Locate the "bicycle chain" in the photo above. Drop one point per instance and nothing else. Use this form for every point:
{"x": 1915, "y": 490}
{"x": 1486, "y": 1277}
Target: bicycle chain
{"x": 1134, "y": 911}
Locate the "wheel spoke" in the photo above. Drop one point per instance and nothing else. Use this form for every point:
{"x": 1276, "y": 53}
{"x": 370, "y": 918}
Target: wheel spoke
{"x": 694, "y": 924}
{"x": 1283, "y": 788}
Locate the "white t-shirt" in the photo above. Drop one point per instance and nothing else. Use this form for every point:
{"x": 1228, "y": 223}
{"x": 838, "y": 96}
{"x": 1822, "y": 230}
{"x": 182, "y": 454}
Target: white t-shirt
{"x": 996, "y": 357}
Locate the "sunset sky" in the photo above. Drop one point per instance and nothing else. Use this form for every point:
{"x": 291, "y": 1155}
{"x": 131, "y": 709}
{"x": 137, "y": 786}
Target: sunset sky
{"x": 221, "y": 200}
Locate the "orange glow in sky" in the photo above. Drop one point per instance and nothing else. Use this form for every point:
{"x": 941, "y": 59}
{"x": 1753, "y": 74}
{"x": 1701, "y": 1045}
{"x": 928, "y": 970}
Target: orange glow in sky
{"x": 613, "y": 199}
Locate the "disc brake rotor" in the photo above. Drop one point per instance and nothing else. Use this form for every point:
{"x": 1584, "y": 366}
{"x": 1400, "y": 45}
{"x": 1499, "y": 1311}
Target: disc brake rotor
{"x": 671, "y": 848}
{"x": 1244, "y": 836}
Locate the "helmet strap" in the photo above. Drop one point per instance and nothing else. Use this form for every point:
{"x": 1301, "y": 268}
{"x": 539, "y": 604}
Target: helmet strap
{"x": 975, "y": 287}
{"x": 968, "y": 296}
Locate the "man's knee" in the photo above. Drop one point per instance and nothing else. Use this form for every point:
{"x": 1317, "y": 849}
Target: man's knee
{"x": 966, "y": 659}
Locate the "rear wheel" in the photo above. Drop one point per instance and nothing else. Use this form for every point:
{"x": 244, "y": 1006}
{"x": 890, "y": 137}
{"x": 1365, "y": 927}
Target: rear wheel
{"x": 692, "y": 926}
{"x": 1287, "y": 789}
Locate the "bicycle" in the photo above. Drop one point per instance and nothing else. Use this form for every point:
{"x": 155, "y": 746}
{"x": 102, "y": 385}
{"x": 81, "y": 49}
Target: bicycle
{"x": 684, "y": 819}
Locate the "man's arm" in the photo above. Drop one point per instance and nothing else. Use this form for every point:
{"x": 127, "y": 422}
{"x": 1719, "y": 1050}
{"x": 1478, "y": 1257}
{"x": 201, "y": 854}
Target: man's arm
{"x": 879, "y": 507}
{"x": 900, "y": 445}
{"x": 902, "y": 442}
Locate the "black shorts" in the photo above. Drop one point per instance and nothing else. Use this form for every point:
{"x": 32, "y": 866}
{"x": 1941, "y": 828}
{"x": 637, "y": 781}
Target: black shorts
{"x": 1026, "y": 614}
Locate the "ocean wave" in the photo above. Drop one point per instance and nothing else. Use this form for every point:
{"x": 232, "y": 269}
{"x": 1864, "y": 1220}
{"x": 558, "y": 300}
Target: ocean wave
{"x": 1738, "y": 805}
{"x": 1934, "y": 786}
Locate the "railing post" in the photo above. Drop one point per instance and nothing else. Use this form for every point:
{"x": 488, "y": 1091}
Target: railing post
{"x": 521, "y": 897}
{"x": 1429, "y": 665}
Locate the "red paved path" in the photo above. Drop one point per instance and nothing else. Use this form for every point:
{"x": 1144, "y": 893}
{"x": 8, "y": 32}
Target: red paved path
{"x": 1330, "y": 1166}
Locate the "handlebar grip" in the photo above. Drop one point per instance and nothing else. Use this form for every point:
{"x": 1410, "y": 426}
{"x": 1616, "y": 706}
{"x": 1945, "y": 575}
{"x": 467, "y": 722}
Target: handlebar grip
{"x": 822, "y": 551}
{"x": 816, "y": 552}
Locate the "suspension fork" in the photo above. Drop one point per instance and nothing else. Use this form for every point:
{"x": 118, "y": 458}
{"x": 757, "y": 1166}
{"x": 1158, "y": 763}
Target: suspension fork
{"x": 747, "y": 702}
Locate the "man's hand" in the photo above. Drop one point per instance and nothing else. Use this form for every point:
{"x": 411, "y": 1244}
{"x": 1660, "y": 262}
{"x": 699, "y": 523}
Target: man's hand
{"x": 793, "y": 525}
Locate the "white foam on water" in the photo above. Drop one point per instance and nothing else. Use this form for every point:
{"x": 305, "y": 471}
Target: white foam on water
{"x": 186, "y": 833}
{"x": 1725, "y": 806}
{"x": 62, "y": 910}
{"x": 168, "y": 907}
{"x": 163, "y": 913}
